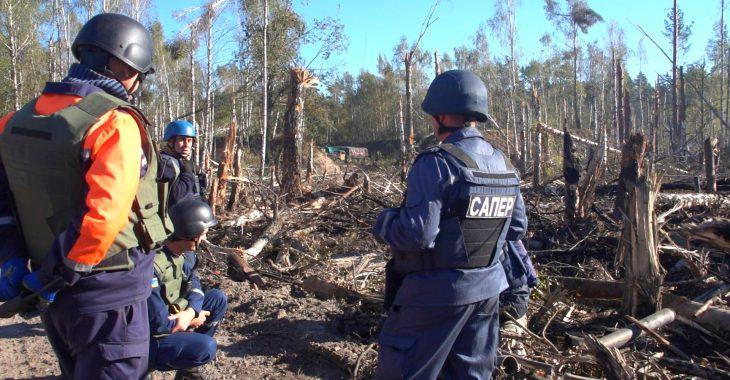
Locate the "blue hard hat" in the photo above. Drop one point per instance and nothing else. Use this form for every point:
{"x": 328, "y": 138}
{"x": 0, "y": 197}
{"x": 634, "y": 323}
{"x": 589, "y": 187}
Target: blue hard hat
{"x": 458, "y": 92}
{"x": 179, "y": 128}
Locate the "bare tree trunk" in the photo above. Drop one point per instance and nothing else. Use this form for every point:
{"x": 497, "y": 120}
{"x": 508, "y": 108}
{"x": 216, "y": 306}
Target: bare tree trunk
{"x": 638, "y": 244}
{"x": 265, "y": 84}
{"x": 402, "y": 141}
{"x": 675, "y": 115}
{"x": 682, "y": 118}
{"x": 537, "y": 144}
{"x": 616, "y": 99}
{"x": 193, "y": 111}
{"x": 291, "y": 181}
{"x": 710, "y": 176}
{"x": 436, "y": 65}
{"x": 620, "y": 102}
{"x": 237, "y": 186}
{"x": 576, "y": 115}
{"x": 571, "y": 174}
{"x": 408, "y": 61}
{"x": 626, "y": 109}
{"x": 722, "y": 60}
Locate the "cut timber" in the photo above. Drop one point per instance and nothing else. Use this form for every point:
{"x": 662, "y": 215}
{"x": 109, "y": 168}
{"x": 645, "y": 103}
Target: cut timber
{"x": 291, "y": 179}
{"x": 610, "y": 357}
{"x": 557, "y": 132}
{"x": 620, "y": 337}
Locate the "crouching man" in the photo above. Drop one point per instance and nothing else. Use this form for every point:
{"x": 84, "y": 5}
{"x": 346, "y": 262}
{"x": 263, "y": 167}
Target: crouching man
{"x": 183, "y": 318}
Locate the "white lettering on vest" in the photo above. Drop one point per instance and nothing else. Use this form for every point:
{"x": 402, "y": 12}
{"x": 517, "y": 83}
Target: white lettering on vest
{"x": 483, "y": 206}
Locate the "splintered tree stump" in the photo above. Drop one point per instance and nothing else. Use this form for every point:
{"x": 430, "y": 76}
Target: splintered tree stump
{"x": 224, "y": 169}
{"x": 638, "y": 245}
{"x": 291, "y": 178}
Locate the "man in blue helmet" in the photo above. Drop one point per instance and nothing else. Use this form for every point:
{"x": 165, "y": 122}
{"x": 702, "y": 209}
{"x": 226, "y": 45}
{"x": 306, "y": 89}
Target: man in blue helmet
{"x": 443, "y": 282}
{"x": 177, "y": 165}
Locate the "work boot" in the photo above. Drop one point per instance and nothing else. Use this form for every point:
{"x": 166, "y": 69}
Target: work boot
{"x": 195, "y": 373}
{"x": 511, "y": 328}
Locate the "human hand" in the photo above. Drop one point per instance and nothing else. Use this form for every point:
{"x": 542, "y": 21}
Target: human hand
{"x": 200, "y": 319}
{"x": 187, "y": 166}
{"x": 182, "y": 319}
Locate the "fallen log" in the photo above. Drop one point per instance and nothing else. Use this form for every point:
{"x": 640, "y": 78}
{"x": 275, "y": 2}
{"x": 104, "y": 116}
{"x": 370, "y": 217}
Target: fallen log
{"x": 543, "y": 127}
{"x": 589, "y": 288}
{"x": 694, "y": 200}
{"x": 713, "y": 318}
{"x": 266, "y": 237}
{"x": 622, "y": 336}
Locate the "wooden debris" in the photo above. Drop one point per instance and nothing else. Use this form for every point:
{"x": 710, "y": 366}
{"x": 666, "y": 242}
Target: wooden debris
{"x": 715, "y": 319}
{"x": 663, "y": 341}
{"x": 266, "y": 237}
{"x": 610, "y": 357}
{"x": 713, "y": 232}
{"x": 589, "y": 288}
{"x": 238, "y": 259}
{"x": 710, "y": 159}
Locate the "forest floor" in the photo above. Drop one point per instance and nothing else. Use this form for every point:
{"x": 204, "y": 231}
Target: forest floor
{"x": 319, "y": 313}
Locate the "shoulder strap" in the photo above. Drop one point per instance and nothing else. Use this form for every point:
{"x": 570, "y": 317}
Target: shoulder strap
{"x": 460, "y": 155}
{"x": 99, "y": 103}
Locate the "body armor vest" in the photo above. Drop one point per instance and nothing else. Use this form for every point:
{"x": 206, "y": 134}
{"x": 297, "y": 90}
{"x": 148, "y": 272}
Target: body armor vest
{"x": 172, "y": 281}
{"x": 45, "y": 162}
{"x": 471, "y": 231}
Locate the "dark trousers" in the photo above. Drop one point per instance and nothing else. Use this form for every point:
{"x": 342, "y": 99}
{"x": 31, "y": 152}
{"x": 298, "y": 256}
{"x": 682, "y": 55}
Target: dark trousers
{"x": 451, "y": 342}
{"x": 185, "y": 350}
{"x": 111, "y": 344}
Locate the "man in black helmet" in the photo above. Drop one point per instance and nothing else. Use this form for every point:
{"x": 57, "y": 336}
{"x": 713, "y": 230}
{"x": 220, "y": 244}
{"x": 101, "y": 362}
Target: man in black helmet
{"x": 80, "y": 170}
{"x": 443, "y": 282}
{"x": 183, "y": 318}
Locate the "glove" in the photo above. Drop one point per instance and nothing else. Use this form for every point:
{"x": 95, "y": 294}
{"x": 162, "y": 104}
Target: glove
{"x": 187, "y": 166}
{"x": 382, "y": 224}
{"x": 11, "y": 275}
{"x": 33, "y": 283}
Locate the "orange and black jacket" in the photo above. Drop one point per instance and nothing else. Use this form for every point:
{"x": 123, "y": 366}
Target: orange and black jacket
{"x": 112, "y": 177}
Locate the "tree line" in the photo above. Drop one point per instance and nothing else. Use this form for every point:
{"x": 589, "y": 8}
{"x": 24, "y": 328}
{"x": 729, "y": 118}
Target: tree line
{"x": 230, "y": 60}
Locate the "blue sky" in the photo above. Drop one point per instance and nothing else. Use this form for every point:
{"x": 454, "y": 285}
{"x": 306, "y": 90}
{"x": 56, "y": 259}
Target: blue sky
{"x": 375, "y": 26}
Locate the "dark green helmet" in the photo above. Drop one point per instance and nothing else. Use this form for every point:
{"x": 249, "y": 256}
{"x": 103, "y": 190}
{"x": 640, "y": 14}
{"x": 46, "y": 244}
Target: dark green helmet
{"x": 191, "y": 217}
{"x": 114, "y": 34}
{"x": 457, "y": 92}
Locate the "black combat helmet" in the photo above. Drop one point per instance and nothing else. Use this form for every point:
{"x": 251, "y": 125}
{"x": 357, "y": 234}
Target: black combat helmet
{"x": 191, "y": 217}
{"x": 458, "y": 92}
{"x": 114, "y": 34}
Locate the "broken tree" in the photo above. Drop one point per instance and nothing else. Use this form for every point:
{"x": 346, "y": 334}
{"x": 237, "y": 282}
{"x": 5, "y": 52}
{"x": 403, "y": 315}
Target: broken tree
{"x": 291, "y": 178}
{"x": 580, "y": 190}
{"x": 638, "y": 245}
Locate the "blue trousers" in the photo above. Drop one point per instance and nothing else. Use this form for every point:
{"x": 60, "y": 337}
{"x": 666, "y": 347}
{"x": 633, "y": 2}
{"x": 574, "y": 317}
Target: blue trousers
{"x": 185, "y": 350}
{"x": 450, "y": 342}
{"x": 111, "y": 344}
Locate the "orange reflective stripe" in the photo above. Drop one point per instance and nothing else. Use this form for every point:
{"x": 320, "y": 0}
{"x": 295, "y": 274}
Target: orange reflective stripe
{"x": 112, "y": 179}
